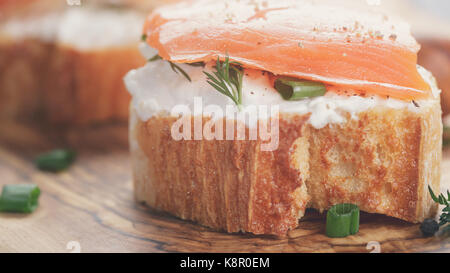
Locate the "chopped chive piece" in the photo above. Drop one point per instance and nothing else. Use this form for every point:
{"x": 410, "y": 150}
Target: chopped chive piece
{"x": 342, "y": 220}
{"x": 144, "y": 37}
{"x": 56, "y": 160}
{"x": 295, "y": 89}
{"x": 19, "y": 198}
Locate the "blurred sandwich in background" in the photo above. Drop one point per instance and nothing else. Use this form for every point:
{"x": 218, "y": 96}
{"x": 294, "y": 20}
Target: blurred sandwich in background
{"x": 435, "y": 56}
{"x": 64, "y": 64}
{"x": 431, "y": 25}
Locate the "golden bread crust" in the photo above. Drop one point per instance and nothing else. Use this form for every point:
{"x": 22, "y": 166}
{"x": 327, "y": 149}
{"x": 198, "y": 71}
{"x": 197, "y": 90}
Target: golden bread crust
{"x": 227, "y": 185}
{"x": 383, "y": 161}
{"x": 89, "y": 85}
{"x": 64, "y": 85}
{"x": 21, "y": 65}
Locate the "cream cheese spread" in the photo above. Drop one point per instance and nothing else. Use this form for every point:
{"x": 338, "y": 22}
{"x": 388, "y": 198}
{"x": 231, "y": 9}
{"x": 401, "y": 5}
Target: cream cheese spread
{"x": 156, "y": 88}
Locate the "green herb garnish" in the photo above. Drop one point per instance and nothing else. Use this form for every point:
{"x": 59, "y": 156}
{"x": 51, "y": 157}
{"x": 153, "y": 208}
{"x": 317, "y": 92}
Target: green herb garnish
{"x": 174, "y": 67}
{"x": 227, "y": 80}
{"x": 446, "y": 136}
{"x": 177, "y": 69}
{"x": 56, "y": 160}
{"x": 19, "y": 198}
{"x": 296, "y": 89}
{"x": 144, "y": 37}
{"x": 446, "y": 130}
{"x": 342, "y": 220}
{"x": 197, "y": 64}
{"x": 445, "y": 201}
{"x": 154, "y": 58}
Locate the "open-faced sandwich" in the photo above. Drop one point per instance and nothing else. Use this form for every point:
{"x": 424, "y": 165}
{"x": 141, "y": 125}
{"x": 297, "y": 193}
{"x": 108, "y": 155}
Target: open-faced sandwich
{"x": 343, "y": 112}
{"x": 65, "y": 64}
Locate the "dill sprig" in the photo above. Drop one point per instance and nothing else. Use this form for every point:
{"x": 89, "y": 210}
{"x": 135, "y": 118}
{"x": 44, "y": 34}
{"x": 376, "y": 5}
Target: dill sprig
{"x": 177, "y": 69}
{"x": 174, "y": 67}
{"x": 445, "y": 201}
{"x": 155, "y": 58}
{"x": 227, "y": 80}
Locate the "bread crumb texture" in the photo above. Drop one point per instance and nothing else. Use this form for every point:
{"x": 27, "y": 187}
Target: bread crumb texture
{"x": 383, "y": 161}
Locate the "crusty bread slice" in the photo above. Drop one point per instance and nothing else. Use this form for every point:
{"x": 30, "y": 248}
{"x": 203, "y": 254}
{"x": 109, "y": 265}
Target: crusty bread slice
{"x": 382, "y": 161}
{"x": 22, "y": 63}
{"x": 60, "y": 82}
{"x": 88, "y": 87}
{"x": 41, "y": 81}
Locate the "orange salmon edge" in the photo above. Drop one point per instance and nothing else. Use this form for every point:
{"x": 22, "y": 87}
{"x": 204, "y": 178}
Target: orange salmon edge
{"x": 401, "y": 92}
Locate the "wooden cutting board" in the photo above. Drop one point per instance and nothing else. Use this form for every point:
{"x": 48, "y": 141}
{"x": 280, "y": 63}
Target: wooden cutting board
{"x": 90, "y": 208}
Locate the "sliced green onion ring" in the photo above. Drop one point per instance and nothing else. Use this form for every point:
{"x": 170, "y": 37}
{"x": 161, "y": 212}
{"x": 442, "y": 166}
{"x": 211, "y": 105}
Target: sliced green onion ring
{"x": 342, "y": 220}
{"x": 19, "y": 198}
{"x": 56, "y": 160}
{"x": 296, "y": 89}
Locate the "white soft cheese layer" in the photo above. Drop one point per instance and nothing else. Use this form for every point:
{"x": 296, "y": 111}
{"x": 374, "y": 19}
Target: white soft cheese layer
{"x": 43, "y": 28}
{"x": 80, "y": 28}
{"x": 156, "y": 88}
{"x": 99, "y": 28}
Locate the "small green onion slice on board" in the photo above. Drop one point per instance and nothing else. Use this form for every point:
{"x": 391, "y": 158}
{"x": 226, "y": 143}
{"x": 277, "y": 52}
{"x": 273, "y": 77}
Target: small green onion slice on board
{"x": 342, "y": 220}
{"x": 296, "y": 89}
{"x": 56, "y": 160}
{"x": 21, "y": 198}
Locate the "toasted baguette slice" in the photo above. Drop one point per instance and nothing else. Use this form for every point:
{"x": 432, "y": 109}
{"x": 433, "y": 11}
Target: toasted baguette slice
{"x": 22, "y": 64}
{"x": 26, "y": 44}
{"x": 382, "y": 161}
{"x": 68, "y": 66}
{"x": 89, "y": 87}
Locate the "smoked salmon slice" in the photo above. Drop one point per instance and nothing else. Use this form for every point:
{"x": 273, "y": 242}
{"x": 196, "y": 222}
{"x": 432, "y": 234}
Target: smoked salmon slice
{"x": 356, "y": 51}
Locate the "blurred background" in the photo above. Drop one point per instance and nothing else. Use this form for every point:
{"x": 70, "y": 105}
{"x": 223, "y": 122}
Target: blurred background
{"x": 55, "y": 51}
